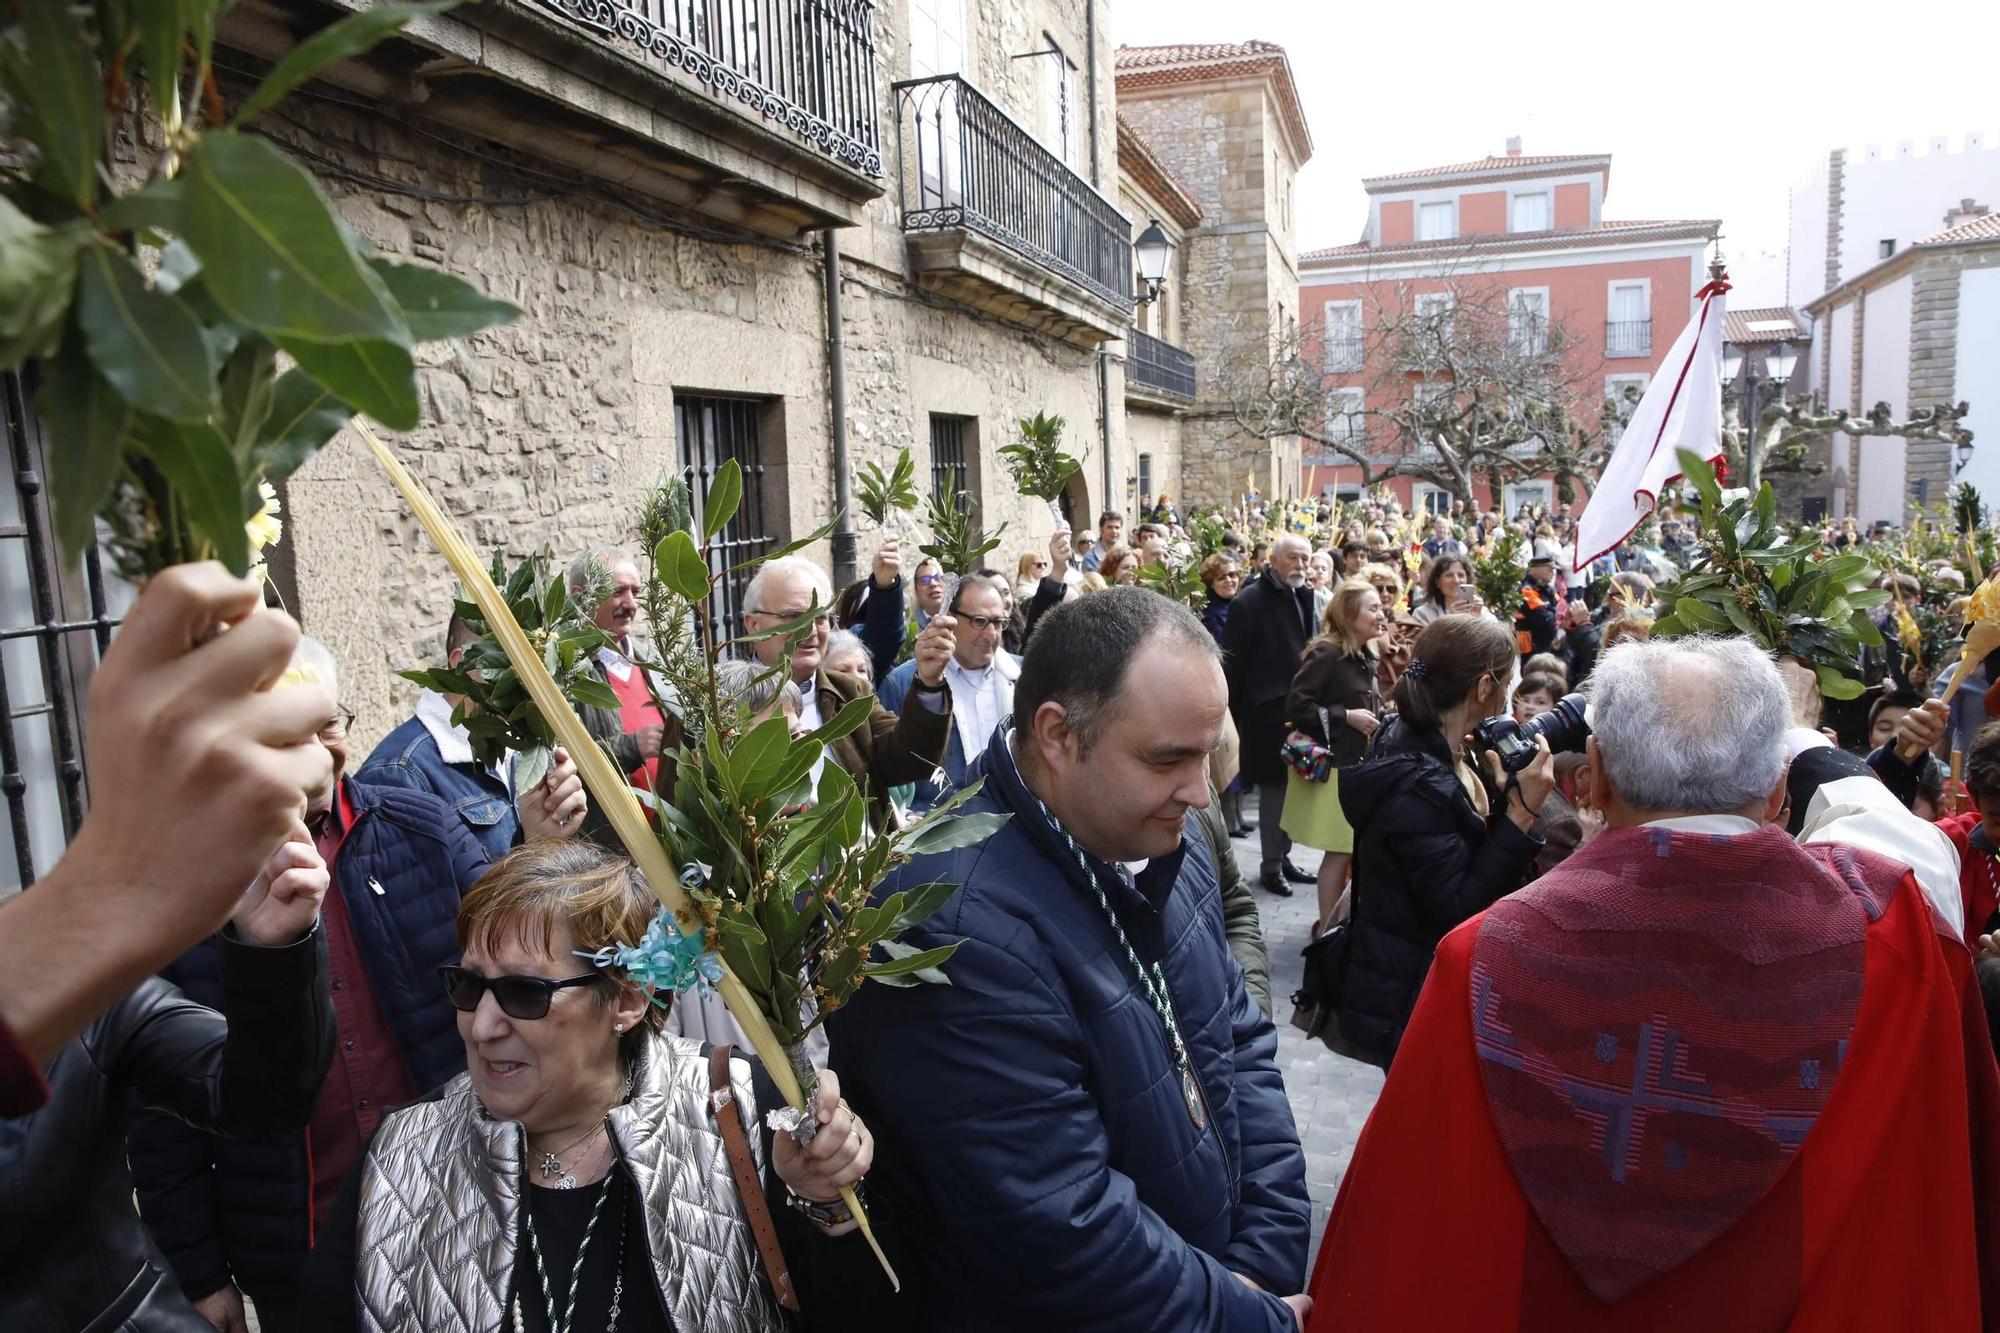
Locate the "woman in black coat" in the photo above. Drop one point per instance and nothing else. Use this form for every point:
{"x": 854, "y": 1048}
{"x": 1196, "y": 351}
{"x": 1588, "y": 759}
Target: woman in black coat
{"x": 1435, "y": 842}
{"x": 1336, "y": 702}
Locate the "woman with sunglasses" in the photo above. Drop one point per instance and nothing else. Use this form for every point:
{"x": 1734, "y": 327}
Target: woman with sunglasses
{"x": 581, "y": 1174}
{"x": 1436, "y": 840}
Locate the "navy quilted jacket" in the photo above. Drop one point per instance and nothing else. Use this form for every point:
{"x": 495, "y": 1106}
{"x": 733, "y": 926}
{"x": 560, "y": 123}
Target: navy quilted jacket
{"x": 1029, "y": 1121}
{"x": 238, "y": 1210}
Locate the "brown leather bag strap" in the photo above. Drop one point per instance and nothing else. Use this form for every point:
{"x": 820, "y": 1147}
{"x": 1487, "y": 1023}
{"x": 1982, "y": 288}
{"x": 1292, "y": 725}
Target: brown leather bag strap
{"x": 749, "y": 1187}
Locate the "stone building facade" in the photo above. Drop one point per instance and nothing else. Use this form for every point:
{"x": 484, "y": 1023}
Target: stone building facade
{"x": 659, "y": 200}
{"x": 1225, "y": 120}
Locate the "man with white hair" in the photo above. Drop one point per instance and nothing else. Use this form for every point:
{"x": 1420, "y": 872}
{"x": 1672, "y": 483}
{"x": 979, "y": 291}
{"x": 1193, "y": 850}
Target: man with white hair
{"x": 887, "y": 750}
{"x": 1269, "y": 623}
{"x": 641, "y": 731}
{"x": 1685, "y": 1078}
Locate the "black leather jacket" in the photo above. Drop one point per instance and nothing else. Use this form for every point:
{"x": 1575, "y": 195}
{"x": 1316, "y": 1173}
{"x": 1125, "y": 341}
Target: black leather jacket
{"x": 73, "y": 1253}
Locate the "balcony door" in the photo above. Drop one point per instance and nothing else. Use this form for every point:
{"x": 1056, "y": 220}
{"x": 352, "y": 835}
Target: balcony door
{"x": 937, "y": 48}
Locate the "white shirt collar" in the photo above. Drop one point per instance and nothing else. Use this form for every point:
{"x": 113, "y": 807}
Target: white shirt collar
{"x": 454, "y": 742}
{"x": 1726, "y": 825}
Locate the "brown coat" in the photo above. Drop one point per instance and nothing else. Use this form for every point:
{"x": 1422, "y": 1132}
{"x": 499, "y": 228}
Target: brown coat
{"x": 1332, "y": 678}
{"x": 887, "y": 750}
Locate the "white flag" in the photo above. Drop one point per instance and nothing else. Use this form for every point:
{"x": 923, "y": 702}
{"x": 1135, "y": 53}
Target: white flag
{"x": 1681, "y": 409}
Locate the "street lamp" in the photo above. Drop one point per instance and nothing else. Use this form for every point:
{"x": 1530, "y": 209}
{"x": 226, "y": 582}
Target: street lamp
{"x": 1779, "y": 360}
{"x": 1963, "y": 450}
{"x": 1155, "y": 253}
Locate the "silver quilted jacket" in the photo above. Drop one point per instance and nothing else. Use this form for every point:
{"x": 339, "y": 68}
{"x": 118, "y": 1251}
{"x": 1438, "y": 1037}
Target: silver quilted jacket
{"x": 440, "y": 1212}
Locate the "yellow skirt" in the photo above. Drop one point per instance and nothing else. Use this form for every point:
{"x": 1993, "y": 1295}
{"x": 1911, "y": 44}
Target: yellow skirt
{"x": 1313, "y": 815}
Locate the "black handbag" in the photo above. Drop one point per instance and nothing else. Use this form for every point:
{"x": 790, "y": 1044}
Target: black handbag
{"x": 1322, "y": 987}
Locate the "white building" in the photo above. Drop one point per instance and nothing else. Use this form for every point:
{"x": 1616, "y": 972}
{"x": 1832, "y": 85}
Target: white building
{"x": 1895, "y": 255}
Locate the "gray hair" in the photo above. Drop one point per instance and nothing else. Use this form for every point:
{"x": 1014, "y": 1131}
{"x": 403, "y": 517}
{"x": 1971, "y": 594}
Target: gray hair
{"x": 1693, "y": 725}
{"x": 815, "y": 577}
{"x": 752, "y": 686}
{"x": 315, "y": 659}
{"x": 1293, "y": 541}
{"x": 845, "y": 641}
{"x": 595, "y": 567}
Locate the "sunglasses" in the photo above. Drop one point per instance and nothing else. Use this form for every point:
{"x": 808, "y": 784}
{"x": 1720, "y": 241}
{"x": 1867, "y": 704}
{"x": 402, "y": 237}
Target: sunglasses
{"x": 518, "y": 997}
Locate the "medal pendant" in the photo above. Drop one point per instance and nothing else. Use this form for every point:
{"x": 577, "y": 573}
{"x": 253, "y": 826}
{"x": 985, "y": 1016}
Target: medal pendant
{"x": 1191, "y": 1094}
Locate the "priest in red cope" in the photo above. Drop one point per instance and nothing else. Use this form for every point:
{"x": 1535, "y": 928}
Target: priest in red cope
{"x": 1697, "y": 1077}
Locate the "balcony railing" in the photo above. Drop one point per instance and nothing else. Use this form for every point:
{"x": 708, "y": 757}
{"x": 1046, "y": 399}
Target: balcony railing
{"x": 965, "y": 163}
{"x": 1345, "y": 350}
{"x": 808, "y": 65}
{"x": 1628, "y": 337}
{"x": 1157, "y": 364}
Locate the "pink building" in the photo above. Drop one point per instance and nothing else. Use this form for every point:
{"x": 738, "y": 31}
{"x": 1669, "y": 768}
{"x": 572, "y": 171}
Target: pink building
{"x": 1528, "y": 232}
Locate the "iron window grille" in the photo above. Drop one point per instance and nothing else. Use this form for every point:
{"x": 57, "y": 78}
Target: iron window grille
{"x": 711, "y": 430}
{"x": 951, "y": 481}
{"x": 54, "y": 625}
{"x": 1157, "y": 364}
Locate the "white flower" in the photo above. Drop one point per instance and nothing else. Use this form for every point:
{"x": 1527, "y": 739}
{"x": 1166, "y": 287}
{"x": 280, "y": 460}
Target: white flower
{"x": 264, "y": 528}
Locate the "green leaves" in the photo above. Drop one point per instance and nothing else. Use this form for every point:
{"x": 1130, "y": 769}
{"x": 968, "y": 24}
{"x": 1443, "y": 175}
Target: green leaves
{"x": 37, "y": 273}
{"x": 271, "y": 253}
{"x": 883, "y": 494}
{"x": 148, "y": 345}
{"x": 342, "y": 40}
{"x": 378, "y": 377}
{"x": 86, "y": 421}
{"x": 725, "y": 496}
{"x": 304, "y": 415}
{"x": 51, "y": 77}
{"x": 680, "y": 566}
{"x": 195, "y": 461}
{"x": 910, "y": 966}
{"x": 1037, "y": 462}
{"x": 437, "y": 305}
{"x": 1789, "y": 598}
{"x": 957, "y": 542}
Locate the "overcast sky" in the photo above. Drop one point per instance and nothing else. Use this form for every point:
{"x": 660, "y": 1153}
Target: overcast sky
{"x": 1708, "y": 110}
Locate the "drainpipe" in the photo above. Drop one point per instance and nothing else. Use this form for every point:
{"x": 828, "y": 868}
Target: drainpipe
{"x": 1090, "y": 83}
{"x": 836, "y": 380}
{"x": 1110, "y": 500}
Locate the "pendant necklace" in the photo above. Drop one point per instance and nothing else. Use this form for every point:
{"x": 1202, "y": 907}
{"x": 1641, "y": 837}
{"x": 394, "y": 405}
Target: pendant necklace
{"x": 559, "y": 1176}
{"x": 1153, "y": 980}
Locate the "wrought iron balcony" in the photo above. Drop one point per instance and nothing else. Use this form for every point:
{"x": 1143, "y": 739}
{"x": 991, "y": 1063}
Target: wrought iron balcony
{"x": 808, "y": 65}
{"x": 1156, "y": 364}
{"x": 1346, "y": 350}
{"x": 966, "y": 166}
{"x": 1628, "y": 337}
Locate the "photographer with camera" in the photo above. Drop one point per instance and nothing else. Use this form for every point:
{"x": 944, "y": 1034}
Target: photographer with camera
{"x": 1435, "y": 841}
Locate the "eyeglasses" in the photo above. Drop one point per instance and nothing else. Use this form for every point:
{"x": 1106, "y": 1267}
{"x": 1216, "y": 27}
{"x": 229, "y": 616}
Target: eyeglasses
{"x": 928, "y": 580}
{"x": 981, "y": 622}
{"x": 788, "y": 617}
{"x": 1039, "y": 564}
{"x": 519, "y": 997}
{"x": 338, "y": 725}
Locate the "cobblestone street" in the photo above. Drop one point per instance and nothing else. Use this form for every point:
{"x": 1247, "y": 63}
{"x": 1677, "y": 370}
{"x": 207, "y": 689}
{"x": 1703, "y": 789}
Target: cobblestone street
{"x": 1331, "y": 1095}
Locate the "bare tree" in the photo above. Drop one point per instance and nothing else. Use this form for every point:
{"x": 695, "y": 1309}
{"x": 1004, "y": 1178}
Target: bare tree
{"x": 1470, "y": 383}
{"x": 1786, "y": 432}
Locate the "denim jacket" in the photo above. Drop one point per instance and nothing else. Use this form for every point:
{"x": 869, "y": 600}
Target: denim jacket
{"x": 411, "y": 756}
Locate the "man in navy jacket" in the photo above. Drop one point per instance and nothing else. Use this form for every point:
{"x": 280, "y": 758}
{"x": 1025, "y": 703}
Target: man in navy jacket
{"x": 1087, "y": 1127}
{"x": 235, "y": 1217}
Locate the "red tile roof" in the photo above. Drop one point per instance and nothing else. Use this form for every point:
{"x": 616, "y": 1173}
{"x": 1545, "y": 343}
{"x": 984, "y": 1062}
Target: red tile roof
{"x": 1741, "y": 326}
{"x": 1143, "y": 67}
{"x": 1137, "y": 160}
{"x": 1986, "y": 228}
{"x": 1508, "y": 165}
{"x": 1572, "y": 238}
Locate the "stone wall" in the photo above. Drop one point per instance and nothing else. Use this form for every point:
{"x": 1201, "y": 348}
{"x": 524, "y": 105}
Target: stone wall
{"x": 546, "y": 432}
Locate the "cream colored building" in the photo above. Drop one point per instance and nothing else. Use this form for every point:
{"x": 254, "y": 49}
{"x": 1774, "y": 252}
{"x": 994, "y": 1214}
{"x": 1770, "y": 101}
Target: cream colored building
{"x": 1224, "y": 122}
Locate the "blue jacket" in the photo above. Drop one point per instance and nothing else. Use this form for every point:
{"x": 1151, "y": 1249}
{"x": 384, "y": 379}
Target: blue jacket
{"x": 408, "y": 757}
{"x": 880, "y": 626}
{"x": 237, "y": 1210}
{"x": 1028, "y": 1117}
{"x": 894, "y": 692}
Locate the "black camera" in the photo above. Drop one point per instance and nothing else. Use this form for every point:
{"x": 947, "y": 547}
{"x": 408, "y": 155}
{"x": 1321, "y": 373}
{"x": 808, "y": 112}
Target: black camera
{"x": 1565, "y": 726}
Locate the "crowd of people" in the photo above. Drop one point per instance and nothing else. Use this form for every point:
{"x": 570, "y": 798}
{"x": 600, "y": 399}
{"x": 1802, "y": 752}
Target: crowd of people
{"x": 1611, "y": 955}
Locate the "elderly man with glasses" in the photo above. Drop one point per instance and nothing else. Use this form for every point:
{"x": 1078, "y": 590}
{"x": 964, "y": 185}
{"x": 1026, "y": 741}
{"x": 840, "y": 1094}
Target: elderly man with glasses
{"x": 235, "y": 1216}
{"x": 980, "y": 674}
{"x": 887, "y": 750}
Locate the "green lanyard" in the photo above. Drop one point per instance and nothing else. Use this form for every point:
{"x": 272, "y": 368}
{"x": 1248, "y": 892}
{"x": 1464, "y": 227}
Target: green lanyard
{"x": 1153, "y": 979}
